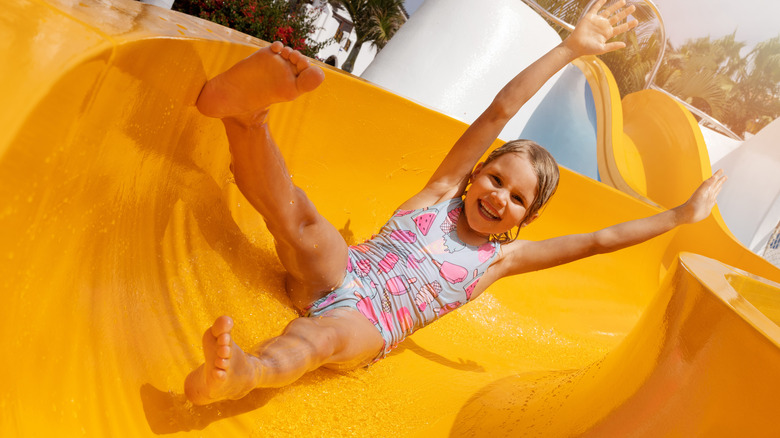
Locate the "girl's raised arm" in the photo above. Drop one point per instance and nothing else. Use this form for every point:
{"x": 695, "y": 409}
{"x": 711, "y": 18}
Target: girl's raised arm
{"x": 589, "y": 37}
{"x": 527, "y": 256}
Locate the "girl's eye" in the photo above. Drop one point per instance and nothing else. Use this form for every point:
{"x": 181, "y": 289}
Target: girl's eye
{"x": 518, "y": 199}
{"x": 496, "y": 180}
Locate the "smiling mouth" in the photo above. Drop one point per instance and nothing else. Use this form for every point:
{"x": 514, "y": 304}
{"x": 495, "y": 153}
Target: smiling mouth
{"x": 485, "y": 212}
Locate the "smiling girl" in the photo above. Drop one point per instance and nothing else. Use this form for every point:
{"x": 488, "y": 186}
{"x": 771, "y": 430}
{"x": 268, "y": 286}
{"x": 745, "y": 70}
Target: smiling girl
{"x": 441, "y": 249}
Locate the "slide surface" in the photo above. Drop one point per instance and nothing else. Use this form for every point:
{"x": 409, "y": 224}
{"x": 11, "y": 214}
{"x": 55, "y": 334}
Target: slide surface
{"x": 122, "y": 237}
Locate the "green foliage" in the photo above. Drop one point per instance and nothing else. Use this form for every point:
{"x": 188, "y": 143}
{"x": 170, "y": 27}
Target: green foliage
{"x": 740, "y": 89}
{"x": 375, "y": 21}
{"x": 269, "y": 20}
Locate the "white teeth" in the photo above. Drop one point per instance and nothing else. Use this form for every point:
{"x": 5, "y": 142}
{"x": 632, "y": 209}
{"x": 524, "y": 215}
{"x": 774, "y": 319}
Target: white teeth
{"x": 486, "y": 212}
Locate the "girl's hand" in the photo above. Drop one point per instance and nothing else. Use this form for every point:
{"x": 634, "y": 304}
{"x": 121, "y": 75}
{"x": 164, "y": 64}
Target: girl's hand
{"x": 592, "y": 32}
{"x": 699, "y": 206}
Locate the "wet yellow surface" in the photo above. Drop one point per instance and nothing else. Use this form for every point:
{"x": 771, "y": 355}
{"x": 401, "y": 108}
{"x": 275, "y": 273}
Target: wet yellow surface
{"x": 122, "y": 237}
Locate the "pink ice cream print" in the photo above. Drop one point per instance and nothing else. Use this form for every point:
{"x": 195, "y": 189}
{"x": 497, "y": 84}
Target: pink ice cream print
{"x": 470, "y": 288}
{"x": 387, "y": 263}
{"x": 424, "y": 221}
{"x": 328, "y": 301}
{"x": 386, "y": 314}
{"x": 365, "y": 307}
{"x": 413, "y": 263}
{"x": 405, "y": 319}
{"x": 452, "y": 273}
{"x": 485, "y": 252}
{"x": 362, "y": 248}
{"x": 386, "y": 319}
{"x": 404, "y": 236}
{"x": 449, "y": 307}
{"x": 363, "y": 267}
{"x": 396, "y": 285}
{"x": 450, "y": 224}
{"x": 427, "y": 294}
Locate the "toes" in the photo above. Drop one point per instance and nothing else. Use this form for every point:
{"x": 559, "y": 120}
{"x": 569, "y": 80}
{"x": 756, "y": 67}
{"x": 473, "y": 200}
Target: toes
{"x": 299, "y": 61}
{"x": 223, "y": 339}
{"x": 219, "y": 374}
{"x": 277, "y": 46}
{"x": 310, "y": 78}
{"x": 286, "y": 52}
{"x": 224, "y": 352}
{"x": 221, "y": 363}
{"x": 295, "y": 56}
{"x": 302, "y": 65}
{"x": 223, "y": 325}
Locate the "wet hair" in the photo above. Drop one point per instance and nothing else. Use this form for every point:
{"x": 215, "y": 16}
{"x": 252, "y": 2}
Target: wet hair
{"x": 547, "y": 176}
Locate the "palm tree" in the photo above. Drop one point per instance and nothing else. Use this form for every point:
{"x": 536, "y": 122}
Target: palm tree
{"x": 386, "y": 19}
{"x": 754, "y": 98}
{"x": 741, "y": 91}
{"x": 375, "y": 21}
{"x": 696, "y": 73}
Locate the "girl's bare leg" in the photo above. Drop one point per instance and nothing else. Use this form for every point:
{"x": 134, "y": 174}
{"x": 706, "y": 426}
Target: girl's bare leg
{"x": 310, "y": 248}
{"x": 342, "y": 339}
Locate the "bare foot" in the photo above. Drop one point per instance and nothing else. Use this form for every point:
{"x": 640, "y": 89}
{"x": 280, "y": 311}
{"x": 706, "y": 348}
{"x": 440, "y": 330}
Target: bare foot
{"x": 228, "y": 372}
{"x": 272, "y": 74}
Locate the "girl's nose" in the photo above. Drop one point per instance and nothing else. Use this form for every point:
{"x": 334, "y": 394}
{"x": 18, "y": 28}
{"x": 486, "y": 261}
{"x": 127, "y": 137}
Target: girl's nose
{"x": 499, "y": 197}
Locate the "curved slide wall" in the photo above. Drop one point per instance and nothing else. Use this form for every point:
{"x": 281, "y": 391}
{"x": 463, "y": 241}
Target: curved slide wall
{"x": 123, "y": 237}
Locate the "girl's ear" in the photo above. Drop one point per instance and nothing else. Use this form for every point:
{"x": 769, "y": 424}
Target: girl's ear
{"x": 476, "y": 170}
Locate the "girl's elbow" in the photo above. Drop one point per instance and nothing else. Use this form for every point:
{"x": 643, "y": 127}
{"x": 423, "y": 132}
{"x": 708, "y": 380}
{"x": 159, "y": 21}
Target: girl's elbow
{"x": 599, "y": 244}
{"x": 501, "y": 111}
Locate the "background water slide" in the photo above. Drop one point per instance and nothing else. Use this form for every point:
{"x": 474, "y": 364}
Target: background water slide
{"x": 122, "y": 236}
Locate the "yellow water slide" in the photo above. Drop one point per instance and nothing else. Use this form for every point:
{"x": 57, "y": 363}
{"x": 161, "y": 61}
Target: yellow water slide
{"x": 651, "y": 147}
{"x": 122, "y": 237}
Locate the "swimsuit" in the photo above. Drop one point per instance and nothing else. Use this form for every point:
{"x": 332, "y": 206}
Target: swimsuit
{"x": 411, "y": 273}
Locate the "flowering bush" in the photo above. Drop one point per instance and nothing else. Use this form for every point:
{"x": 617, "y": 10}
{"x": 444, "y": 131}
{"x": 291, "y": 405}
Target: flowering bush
{"x": 269, "y": 20}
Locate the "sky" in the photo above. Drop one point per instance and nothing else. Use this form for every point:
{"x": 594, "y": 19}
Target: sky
{"x": 754, "y": 20}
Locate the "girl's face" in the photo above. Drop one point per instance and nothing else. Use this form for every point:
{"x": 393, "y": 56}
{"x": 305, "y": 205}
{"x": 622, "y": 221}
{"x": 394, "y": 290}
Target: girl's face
{"x": 500, "y": 193}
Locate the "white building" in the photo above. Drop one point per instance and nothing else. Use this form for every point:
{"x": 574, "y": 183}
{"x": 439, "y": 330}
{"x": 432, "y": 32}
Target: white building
{"x": 335, "y": 22}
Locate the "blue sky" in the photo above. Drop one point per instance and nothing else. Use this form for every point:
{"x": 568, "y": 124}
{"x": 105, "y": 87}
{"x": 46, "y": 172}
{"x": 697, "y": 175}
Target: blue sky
{"x": 754, "y": 20}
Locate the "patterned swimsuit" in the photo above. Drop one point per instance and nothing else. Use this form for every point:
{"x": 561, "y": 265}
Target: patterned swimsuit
{"x": 411, "y": 273}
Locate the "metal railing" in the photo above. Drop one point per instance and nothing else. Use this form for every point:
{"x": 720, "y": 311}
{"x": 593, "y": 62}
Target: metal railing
{"x": 705, "y": 118}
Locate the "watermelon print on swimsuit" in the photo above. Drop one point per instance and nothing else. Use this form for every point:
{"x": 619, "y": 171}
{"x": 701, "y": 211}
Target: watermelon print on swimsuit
{"x": 417, "y": 269}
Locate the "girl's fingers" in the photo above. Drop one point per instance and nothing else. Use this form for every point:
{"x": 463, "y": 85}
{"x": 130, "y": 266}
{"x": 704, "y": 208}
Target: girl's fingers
{"x": 617, "y": 18}
{"x": 611, "y": 10}
{"x": 597, "y": 6}
{"x": 719, "y": 184}
{"x": 615, "y": 45}
{"x": 625, "y": 27}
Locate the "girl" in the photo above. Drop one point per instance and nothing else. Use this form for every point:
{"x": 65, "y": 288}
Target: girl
{"x": 442, "y": 248}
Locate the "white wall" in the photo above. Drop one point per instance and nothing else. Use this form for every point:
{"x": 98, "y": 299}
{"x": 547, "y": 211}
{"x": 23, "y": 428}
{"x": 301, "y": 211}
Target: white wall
{"x": 750, "y": 199}
{"x": 455, "y": 55}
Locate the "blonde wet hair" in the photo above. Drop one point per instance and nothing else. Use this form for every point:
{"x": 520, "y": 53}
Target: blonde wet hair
{"x": 547, "y": 177}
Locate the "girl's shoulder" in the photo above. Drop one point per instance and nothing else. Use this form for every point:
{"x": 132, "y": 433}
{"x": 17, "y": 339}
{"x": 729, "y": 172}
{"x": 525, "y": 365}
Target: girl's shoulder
{"x": 446, "y": 205}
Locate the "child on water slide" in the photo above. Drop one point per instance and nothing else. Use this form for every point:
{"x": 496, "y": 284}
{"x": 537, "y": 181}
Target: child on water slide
{"x": 441, "y": 249}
